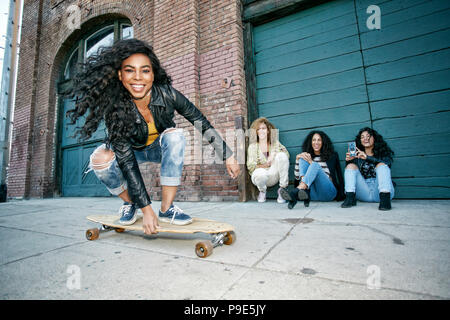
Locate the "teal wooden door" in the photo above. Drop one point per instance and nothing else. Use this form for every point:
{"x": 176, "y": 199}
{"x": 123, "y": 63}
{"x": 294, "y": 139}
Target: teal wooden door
{"x": 322, "y": 68}
{"x": 73, "y": 154}
{"x": 75, "y": 159}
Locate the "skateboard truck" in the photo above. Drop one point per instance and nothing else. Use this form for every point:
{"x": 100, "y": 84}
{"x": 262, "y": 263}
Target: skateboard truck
{"x": 205, "y": 248}
{"x": 218, "y": 240}
{"x": 93, "y": 234}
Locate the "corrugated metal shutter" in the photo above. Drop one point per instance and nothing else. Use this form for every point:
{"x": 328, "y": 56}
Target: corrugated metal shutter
{"x": 323, "y": 68}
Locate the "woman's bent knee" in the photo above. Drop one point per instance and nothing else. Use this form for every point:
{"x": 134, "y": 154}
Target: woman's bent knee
{"x": 102, "y": 158}
{"x": 173, "y": 135}
{"x": 282, "y": 156}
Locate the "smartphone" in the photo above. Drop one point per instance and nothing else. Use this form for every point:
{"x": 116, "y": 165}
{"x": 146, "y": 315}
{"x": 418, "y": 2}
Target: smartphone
{"x": 352, "y": 149}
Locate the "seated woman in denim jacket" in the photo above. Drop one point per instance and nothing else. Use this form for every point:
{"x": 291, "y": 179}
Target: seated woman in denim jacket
{"x": 317, "y": 172}
{"x": 368, "y": 175}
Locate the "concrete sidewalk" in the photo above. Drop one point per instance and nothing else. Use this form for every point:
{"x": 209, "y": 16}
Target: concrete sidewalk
{"x": 320, "y": 252}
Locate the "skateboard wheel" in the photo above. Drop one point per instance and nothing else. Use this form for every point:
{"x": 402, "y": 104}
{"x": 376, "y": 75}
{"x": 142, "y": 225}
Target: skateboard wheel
{"x": 119, "y": 230}
{"x": 230, "y": 238}
{"x": 204, "y": 249}
{"x": 92, "y": 234}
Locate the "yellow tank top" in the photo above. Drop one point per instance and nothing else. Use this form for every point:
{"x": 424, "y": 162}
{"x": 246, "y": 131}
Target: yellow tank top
{"x": 152, "y": 133}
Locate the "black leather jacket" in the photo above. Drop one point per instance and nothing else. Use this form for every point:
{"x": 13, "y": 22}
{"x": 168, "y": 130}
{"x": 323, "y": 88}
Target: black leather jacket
{"x": 164, "y": 101}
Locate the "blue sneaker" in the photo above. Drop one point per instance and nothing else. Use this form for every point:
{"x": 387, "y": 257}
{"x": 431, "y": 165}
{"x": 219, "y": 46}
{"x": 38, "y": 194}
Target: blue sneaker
{"x": 175, "y": 215}
{"x": 127, "y": 214}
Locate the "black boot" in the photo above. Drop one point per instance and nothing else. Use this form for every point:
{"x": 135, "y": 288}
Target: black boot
{"x": 350, "y": 200}
{"x": 302, "y": 195}
{"x": 291, "y": 197}
{"x": 308, "y": 198}
{"x": 385, "y": 201}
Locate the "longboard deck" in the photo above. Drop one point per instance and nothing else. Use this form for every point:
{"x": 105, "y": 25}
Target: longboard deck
{"x": 222, "y": 233}
{"x": 197, "y": 225}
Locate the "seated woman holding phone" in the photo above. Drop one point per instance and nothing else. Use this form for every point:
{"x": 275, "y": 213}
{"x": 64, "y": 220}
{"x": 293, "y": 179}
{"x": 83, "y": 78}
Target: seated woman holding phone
{"x": 368, "y": 170}
{"x": 317, "y": 171}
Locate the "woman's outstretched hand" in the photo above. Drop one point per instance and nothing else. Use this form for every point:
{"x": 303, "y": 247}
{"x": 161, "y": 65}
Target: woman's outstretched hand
{"x": 232, "y": 167}
{"x": 150, "y": 220}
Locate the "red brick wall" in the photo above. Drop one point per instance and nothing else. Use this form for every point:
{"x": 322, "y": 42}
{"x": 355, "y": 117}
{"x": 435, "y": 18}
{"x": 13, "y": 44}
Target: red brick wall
{"x": 20, "y": 158}
{"x": 199, "y": 43}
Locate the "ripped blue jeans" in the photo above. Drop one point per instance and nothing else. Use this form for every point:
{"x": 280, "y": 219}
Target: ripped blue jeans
{"x": 167, "y": 149}
{"x": 320, "y": 185}
{"x": 368, "y": 190}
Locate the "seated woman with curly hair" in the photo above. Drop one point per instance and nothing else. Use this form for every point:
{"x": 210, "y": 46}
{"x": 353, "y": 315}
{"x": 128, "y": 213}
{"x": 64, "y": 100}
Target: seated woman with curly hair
{"x": 368, "y": 174}
{"x": 126, "y": 86}
{"x": 267, "y": 159}
{"x": 317, "y": 172}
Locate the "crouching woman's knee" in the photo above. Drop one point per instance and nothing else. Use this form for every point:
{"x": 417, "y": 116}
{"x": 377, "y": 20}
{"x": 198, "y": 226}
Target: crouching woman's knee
{"x": 103, "y": 163}
{"x": 281, "y": 156}
{"x": 101, "y": 158}
{"x": 173, "y": 136}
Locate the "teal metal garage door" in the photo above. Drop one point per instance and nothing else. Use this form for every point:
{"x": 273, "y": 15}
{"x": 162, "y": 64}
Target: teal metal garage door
{"x": 323, "y": 68}
{"x": 408, "y": 79}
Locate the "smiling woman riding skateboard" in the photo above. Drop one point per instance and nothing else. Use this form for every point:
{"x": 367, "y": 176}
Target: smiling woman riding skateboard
{"x": 125, "y": 86}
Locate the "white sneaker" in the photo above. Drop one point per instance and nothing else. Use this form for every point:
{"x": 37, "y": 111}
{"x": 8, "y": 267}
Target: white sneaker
{"x": 262, "y": 197}
{"x": 280, "y": 198}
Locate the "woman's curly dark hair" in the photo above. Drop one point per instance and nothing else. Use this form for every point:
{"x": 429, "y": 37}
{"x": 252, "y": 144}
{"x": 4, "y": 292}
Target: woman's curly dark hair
{"x": 98, "y": 90}
{"x": 380, "y": 148}
{"x": 327, "y": 146}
